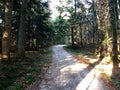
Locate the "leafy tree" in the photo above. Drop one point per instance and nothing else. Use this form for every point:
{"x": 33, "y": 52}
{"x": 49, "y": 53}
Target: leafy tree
{"x": 42, "y": 24}
{"x": 61, "y": 29}
{"x": 61, "y": 25}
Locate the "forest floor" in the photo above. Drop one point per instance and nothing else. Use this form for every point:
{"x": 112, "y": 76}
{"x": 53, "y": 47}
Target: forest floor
{"x": 108, "y": 72}
{"x": 68, "y": 72}
{"x": 20, "y": 73}
{"x": 76, "y": 70}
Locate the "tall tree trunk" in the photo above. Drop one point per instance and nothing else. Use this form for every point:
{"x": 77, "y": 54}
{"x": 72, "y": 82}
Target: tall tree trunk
{"x": 6, "y": 31}
{"x": 95, "y": 25}
{"x": 119, "y": 3}
{"x": 21, "y": 35}
{"x": 72, "y": 36}
{"x": 81, "y": 37}
{"x": 114, "y": 27}
{"x": 75, "y": 7}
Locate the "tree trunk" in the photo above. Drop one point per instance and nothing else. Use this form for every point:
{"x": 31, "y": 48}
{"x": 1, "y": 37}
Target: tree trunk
{"x": 75, "y": 7}
{"x": 81, "y": 37}
{"x": 72, "y": 36}
{"x": 6, "y": 31}
{"x": 95, "y": 25}
{"x": 119, "y": 4}
{"x": 21, "y": 35}
{"x": 114, "y": 27}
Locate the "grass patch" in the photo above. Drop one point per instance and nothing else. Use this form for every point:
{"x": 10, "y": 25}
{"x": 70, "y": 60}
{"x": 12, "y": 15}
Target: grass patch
{"x": 20, "y": 73}
{"x": 29, "y": 78}
{"x": 17, "y": 86}
{"x": 78, "y": 52}
{"x": 84, "y": 56}
{"x": 115, "y": 82}
{"x": 105, "y": 66}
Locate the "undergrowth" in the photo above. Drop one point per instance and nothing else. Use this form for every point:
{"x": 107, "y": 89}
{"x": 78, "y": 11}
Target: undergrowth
{"x": 80, "y": 52}
{"x": 110, "y": 78}
{"x": 19, "y": 73}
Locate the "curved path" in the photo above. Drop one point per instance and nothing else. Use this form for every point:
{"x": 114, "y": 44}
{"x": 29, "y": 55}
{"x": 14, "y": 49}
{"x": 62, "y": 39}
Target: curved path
{"x": 66, "y": 73}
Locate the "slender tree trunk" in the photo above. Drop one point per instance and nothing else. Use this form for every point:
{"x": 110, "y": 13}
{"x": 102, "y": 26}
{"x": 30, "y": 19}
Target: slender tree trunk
{"x": 21, "y": 39}
{"x": 72, "y": 28}
{"x": 81, "y": 37}
{"x": 72, "y": 36}
{"x": 75, "y": 7}
{"x": 119, "y": 3}
{"x": 6, "y": 31}
{"x": 95, "y": 25}
{"x": 114, "y": 27}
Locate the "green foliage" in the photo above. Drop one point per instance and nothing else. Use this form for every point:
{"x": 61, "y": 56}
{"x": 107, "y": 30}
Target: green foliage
{"x": 29, "y": 78}
{"x": 77, "y": 51}
{"x": 41, "y": 22}
{"x": 38, "y": 23}
{"x": 116, "y": 82}
{"x": 17, "y": 86}
{"x": 61, "y": 28}
{"x": 16, "y": 74}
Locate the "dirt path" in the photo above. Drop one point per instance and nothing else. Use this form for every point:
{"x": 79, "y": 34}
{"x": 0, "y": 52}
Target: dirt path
{"x": 66, "y": 73}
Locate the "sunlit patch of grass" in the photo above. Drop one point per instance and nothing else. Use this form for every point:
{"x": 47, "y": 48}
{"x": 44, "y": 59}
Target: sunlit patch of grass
{"x": 18, "y": 73}
{"x": 81, "y": 55}
{"x": 105, "y": 67}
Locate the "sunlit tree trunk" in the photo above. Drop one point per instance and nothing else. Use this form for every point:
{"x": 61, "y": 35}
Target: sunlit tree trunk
{"x": 119, "y": 3}
{"x": 103, "y": 27}
{"x": 21, "y": 39}
{"x": 6, "y": 31}
{"x": 114, "y": 27}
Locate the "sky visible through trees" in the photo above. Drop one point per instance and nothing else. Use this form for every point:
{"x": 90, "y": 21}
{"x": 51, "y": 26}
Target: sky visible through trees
{"x": 54, "y": 3}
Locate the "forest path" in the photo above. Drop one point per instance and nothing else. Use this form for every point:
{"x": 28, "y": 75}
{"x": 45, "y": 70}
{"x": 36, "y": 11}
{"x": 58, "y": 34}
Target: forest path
{"x": 66, "y": 73}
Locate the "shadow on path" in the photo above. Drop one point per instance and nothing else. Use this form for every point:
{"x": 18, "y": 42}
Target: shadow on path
{"x": 66, "y": 73}
{"x": 83, "y": 84}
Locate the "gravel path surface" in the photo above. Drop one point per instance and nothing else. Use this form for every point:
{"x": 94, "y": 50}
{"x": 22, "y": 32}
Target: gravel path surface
{"x": 66, "y": 73}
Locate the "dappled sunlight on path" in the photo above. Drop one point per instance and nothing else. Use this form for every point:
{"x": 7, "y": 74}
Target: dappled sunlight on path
{"x": 92, "y": 82}
{"x": 67, "y": 73}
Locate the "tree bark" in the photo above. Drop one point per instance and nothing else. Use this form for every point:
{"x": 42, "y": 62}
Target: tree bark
{"x": 95, "y": 25}
{"x": 81, "y": 37}
{"x": 114, "y": 27}
{"x": 72, "y": 36}
{"x": 21, "y": 34}
{"x": 75, "y": 7}
{"x": 6, "y": 31}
